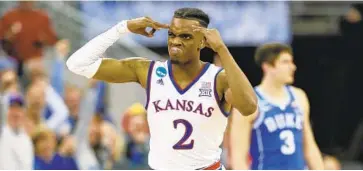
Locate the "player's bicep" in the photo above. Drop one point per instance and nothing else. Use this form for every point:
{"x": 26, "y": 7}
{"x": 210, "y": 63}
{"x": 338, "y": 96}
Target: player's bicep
{"x": 223, "y": 88}
{"x": 305, "y": 108}
{"x": 124, "y": 70}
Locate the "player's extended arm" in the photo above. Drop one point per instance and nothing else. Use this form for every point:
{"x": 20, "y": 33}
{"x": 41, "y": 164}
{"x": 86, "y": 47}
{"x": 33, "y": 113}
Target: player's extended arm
{"x": 242, "y": 95}
{"x": 312, "y": 153}
{"x": 88, "y": 61}
{"x": 240, "y": 139}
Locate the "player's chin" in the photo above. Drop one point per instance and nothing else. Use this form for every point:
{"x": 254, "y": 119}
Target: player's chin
{"x": 174, "y": 55}
{"x": 290, "y": 80}
{"x": 173, "y": 58}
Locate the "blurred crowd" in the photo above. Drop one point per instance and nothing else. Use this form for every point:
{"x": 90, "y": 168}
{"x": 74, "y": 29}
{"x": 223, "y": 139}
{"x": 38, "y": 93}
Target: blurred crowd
{"x": 46, "y": 122}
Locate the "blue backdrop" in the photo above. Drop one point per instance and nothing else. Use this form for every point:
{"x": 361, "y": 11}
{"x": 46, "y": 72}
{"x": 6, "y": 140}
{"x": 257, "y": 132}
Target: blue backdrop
{"x": 240, "y": 23}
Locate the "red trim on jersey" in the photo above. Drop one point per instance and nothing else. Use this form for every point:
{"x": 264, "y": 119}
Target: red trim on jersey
{"x": 214, "y": 166}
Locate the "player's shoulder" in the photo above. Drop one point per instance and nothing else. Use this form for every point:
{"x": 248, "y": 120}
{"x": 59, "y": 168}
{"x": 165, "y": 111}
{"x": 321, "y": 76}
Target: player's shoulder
{"x": 160, "y": 65}
{"x": 221, "y": 74}
{"x": 160, "y": 62}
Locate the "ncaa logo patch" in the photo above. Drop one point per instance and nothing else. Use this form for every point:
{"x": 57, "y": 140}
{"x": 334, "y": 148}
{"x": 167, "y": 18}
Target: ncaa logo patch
{"x": 161, "y": 72}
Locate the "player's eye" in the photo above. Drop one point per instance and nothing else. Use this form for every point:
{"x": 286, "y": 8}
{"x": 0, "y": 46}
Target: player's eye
{"x": 170, "y": 34}
{"x": 186, "y": 36}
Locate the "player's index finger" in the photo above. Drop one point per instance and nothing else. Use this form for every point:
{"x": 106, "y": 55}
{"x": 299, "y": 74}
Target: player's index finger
{"x": 161, "y": 25}
{"x": 198, "y": 29}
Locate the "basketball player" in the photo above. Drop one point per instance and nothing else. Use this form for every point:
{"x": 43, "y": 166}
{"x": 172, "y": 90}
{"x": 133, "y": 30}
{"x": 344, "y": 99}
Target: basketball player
{"x": 279, "y": 135}
{"x": 185, "y": 96}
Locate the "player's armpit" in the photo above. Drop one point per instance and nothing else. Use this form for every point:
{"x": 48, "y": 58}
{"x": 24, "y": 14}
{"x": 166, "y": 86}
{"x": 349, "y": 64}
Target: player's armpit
{"x": 224, "y": 89}
{"x": 124, "y": 70}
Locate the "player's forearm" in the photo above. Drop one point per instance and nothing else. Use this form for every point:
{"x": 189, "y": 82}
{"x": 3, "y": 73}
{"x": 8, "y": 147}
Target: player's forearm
{"x": 239, "y": 161}
{"x": 244, "y": 98}
{"x": 314, "y": 158}
{"x": 86, "y": 60}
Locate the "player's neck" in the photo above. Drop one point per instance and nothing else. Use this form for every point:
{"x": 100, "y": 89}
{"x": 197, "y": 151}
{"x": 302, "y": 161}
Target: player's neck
{"x": 272, "y": 87}
{"x": 46, "y": 157}
{"x": 187, "y": 71}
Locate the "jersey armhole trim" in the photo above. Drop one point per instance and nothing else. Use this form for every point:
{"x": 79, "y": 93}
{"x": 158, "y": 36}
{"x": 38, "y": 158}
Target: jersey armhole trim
{"x": 259, "y": 119}
{"x": 226, "y": 114}
{"x": 148, "y": 81}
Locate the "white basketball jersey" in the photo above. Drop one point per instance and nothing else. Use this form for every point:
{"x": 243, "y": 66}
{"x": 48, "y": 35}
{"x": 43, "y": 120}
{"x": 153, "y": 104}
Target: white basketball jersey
{"x": 186, "y": 125}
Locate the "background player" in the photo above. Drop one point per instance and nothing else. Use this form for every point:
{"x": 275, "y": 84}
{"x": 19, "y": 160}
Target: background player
{"x": 279, "y": 135}
{"x": 196, "y": 91}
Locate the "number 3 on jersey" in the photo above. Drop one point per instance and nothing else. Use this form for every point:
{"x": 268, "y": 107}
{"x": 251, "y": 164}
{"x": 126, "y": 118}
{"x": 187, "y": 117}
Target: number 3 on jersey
{"x": 288, "y": 147}
{"x": 181, "y": 145}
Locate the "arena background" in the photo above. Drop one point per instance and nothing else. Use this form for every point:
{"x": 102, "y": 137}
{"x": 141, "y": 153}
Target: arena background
{"x": 327, "y": 50}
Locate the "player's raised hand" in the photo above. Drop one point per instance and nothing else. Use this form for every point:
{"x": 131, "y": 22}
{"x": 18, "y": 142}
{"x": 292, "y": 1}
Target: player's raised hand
{"x": 140, "y": 25}
{"x": 213, "y": 38}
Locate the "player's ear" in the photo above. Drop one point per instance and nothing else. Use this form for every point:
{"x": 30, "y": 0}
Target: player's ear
{"x": 202, "y": 43}
{"x": 265, "y": 66}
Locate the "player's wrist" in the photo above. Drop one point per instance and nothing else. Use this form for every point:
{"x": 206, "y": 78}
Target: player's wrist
{"x": 222, "y": 50}
{"x": 122, "y": 28}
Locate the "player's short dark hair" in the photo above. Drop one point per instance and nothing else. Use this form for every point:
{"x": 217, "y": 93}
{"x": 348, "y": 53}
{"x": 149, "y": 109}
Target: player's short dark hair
{"x": 193, "y": 14}
{"x": 270, "y": 52}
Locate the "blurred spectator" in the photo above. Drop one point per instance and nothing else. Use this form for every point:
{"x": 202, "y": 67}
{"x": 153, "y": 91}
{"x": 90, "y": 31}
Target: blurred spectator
{"x": 351, "y": 23}
{"x": 8, "y": 84}
{"x": 102, "y": 148}
{"x": 105, "y": 142}
{"x": 47, "y": 157}
{"x": 50, "y": 105}
{"x": 36, "y": 68}
{"x": 135, "y": 125}
{"x": 331, "y": 163}
{"x": 351, "y": 26}
{"x": 84, "y": 155}
{"x": 8, "y": 77}
{"x": 350, "y": 67}
{"x": 16, "y": 148}
{"x": 95, "y": 138}
{"x": 26, "y": 31}
{"x": 72, "y": 98}
{"x": 54, "y": 112}
{"x": 7, "y": 63}
{"x": 35, "y": 98}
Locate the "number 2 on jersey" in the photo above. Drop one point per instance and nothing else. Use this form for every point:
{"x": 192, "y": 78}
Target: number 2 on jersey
{"x": 289, "y": 142}
{"x": 180, "y": 145}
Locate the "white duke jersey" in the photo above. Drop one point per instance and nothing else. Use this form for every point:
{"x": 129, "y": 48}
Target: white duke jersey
{"x": 186, "y": 125}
